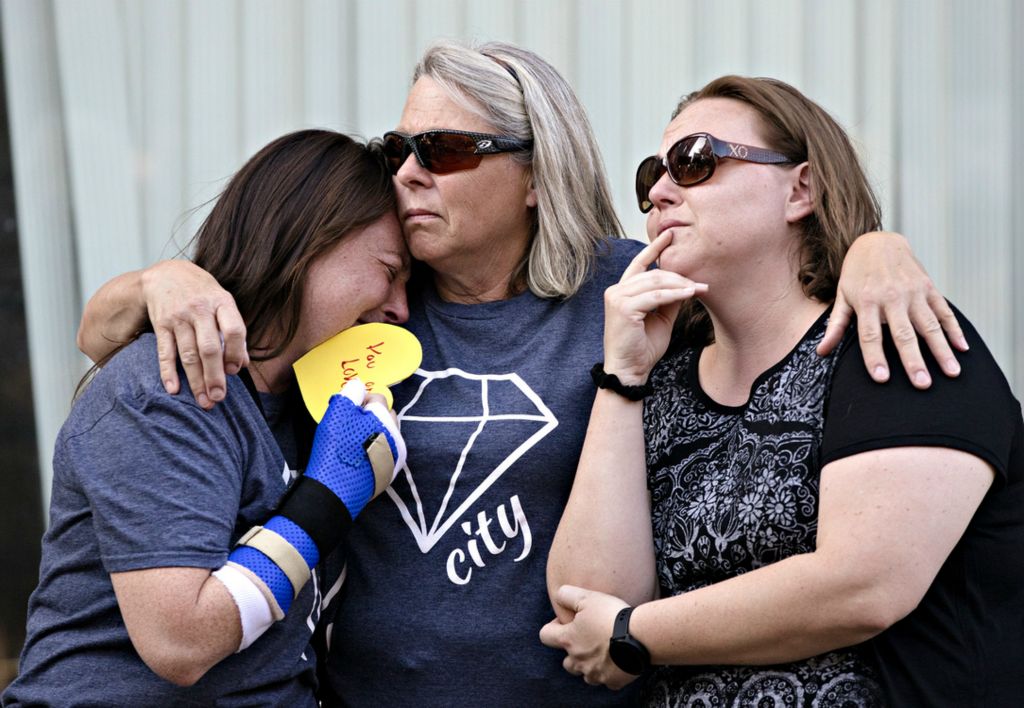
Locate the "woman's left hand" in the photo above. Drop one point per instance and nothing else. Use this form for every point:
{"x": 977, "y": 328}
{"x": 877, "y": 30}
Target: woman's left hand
{"x": 585, "y": 638}
{"x": 881, "y": 282}
{"x": 640, "y": 312}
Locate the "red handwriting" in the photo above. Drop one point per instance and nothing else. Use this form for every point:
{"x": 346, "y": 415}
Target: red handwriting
{"x": 348, "y": 366}
{"x": 375, "y": 348}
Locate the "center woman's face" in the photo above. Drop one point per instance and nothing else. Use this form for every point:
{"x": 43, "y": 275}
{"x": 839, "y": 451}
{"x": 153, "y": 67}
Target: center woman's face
{"x": 468, "y": 222}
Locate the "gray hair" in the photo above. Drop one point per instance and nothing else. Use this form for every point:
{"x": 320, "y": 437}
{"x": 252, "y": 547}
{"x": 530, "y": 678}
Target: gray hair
{"x": 523, "y": 96}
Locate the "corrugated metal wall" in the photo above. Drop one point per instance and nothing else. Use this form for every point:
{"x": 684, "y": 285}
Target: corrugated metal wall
{"x": 125, "y": 115}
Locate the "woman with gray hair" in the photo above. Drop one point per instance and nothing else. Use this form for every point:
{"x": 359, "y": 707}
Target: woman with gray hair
{"x": 503, "y": 200}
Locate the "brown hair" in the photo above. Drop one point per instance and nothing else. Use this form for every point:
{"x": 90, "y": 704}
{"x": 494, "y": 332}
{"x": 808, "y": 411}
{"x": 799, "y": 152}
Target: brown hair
{"x": 287, "y": 205}
{"x": 844, "y": 204}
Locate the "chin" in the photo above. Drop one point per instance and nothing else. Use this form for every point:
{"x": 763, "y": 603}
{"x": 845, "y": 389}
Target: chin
{"x": 421, "y": 243}
{"x": 674, "y": 260}
{"x": 427, "y": 249}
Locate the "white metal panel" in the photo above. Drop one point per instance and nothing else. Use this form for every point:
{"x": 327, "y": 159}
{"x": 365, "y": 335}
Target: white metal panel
{"x": 162, "y": 129}
{"x": 776, "y": 40}
{"x": 721, "y": 35}
{"x": 131, "y": 27}
{"x": 925, "y": 206}
{"x": 878, "y": 116}
{"x": 830, "y": 66}
{"x": 47, "y": 252}
{"x": 213, "y": 135}
{"x": 437, "y": 19}
{"x": 1016, "y": 300}
{"x": 660, "y": 68}
{"x": 385, "y": 60}
{"x": 601, "y": 50}
{"x": 488, "y": 20}
{"x": 981, "y": 234}
{"x": 102, "y": 158}
{"x": 551, "y": 29}
{"x": 270, "y": 72}
{"x": 329, "y": 61}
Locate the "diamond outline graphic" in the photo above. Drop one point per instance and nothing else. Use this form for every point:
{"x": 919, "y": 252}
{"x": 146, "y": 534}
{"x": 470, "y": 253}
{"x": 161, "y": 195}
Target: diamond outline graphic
{"x": 427, "y": 538}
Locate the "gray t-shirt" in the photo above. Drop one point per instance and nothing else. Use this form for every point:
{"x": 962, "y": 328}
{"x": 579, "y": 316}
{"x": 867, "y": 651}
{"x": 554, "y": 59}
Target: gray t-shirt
{"x": 445, "y": 589}
{"x": 141, "y": 480}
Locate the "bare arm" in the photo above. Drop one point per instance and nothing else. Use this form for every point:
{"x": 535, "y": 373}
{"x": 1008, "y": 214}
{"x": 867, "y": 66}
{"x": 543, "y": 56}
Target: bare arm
{"x": 604, "y": 538}
{"x": 112, "y": 316}
{"x": 190, "y": 313}
{"x": 182, "y": 621}
{"x": 882, "y": 282}
{"x": 854, "y": 585}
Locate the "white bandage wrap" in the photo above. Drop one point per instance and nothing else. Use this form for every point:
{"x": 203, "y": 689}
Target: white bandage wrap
{"x": 253, "y": 608}
{"x": 355, "y": 391}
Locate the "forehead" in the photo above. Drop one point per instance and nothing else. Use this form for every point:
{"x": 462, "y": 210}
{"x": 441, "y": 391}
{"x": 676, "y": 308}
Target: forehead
{"x": 386, "y": 235}
{"x": 725, "y": 118}
{"x": 383, "y": 236}
{"x": 430, "y": 107}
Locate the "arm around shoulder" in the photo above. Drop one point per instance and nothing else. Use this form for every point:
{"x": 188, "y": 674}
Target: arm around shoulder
{"x": 112, "y": 316}
{"x": 193, "y": 317}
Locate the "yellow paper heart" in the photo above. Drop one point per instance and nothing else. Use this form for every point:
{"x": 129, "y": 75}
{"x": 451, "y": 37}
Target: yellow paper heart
{"x": 379, "y": 354}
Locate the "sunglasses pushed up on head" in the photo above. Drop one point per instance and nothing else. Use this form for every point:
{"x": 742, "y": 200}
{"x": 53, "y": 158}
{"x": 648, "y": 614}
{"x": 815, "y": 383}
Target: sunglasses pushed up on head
{"x": 693, "y": 160}
{"x": 444, "y": 151}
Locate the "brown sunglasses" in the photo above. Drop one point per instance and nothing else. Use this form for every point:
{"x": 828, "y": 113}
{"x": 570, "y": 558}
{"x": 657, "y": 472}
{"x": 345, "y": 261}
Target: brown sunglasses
{"x": 693, "y": 160}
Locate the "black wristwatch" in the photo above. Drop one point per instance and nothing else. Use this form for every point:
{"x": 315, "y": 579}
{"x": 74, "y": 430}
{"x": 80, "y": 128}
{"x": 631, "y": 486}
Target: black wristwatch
{"x": 612, "y": 383}
{"x": 627, "y": 652}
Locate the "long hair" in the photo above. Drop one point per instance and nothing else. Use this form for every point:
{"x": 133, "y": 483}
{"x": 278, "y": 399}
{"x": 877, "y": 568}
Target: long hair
{"x": 523, "y": 96}
{"x": 844, "y": 205}
{"x": 287, "y": 205}
{"x": 290, "y": 203}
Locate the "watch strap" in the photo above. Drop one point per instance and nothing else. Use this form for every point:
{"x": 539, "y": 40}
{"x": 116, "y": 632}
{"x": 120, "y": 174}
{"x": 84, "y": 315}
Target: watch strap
{"x": 625, "y": 651}
{"x": 620, "y": 630}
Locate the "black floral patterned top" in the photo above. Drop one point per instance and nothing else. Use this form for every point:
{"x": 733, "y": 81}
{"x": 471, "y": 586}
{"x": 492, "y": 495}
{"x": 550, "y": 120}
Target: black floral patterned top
{"x": 734, "y": 489}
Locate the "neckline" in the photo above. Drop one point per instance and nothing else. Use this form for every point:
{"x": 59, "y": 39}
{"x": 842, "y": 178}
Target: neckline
{"x": 477, "y": 310}
{"x": 692, "y": 373}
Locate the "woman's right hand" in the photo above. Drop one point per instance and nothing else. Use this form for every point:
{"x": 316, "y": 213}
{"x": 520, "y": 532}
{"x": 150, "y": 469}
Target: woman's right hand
{"x": 640, "y": 311}
{"x": 196, "y": 320}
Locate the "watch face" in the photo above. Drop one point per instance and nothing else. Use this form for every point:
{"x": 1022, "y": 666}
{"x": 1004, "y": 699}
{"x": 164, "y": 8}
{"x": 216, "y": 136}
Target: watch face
{"x": 629, "y": 655}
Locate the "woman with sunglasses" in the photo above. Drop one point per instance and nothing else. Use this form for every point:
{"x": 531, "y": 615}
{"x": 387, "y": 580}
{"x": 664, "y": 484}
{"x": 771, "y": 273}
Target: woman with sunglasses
{"x": 504, "y": 202}
{"x": 815, "y": 538}
{"x": 149, "y": 593}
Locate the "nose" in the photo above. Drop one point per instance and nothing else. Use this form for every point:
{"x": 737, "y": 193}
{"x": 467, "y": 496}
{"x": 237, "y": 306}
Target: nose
{"x": 396, "y": 309}
{"x": 412, "y": 172}
{"x": 665, "y": 192}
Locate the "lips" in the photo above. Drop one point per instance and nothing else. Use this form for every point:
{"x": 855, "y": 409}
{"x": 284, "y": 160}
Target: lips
{"x": 669, "y": 224}
{"x": 417, "y": 215}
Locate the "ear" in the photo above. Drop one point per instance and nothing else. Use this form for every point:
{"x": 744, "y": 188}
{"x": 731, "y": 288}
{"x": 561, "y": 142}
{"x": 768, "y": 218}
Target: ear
{"x": 799, "y": 204}
{"x": 531, "y": 191}
{"x": 531, "y": 197}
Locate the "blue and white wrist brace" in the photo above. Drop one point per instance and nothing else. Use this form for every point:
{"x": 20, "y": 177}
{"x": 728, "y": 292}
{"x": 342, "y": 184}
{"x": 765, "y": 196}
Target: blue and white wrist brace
{"x": 356, "y": 453}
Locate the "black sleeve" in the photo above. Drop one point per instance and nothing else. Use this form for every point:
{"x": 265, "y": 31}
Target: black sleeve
{"x": 975, "y": 412}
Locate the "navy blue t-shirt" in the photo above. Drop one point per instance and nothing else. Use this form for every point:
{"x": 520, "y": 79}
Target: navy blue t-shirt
{"x": 141, "y": 480}
{"x": 445, "y": 590}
